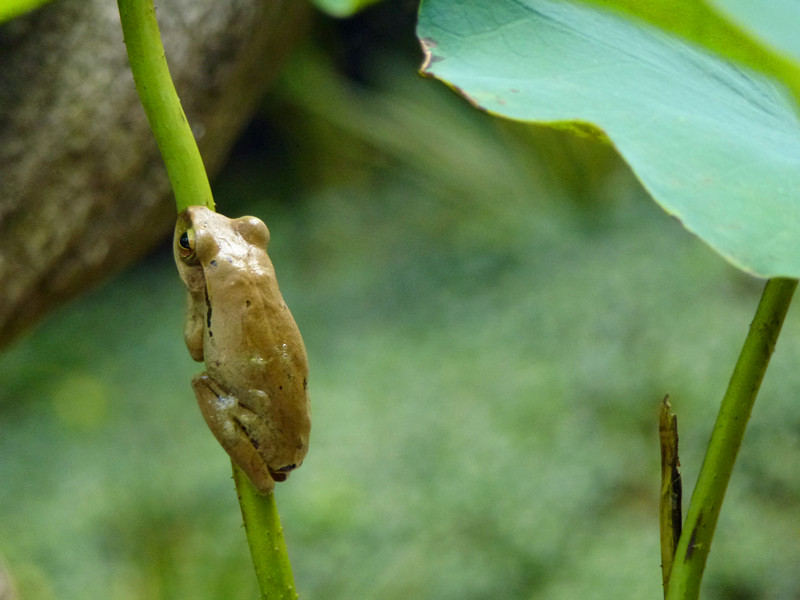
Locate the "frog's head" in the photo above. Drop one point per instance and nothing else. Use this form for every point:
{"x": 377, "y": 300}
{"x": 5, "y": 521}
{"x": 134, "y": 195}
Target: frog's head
{"x": 202, "y": 234}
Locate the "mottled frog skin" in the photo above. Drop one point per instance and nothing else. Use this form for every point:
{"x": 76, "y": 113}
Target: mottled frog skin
{"x": 254, "y": 391}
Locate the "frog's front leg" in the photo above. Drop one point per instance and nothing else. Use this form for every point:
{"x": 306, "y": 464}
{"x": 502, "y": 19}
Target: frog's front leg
{"x": 223, "y": 414}
{"x": 194, "y": 324}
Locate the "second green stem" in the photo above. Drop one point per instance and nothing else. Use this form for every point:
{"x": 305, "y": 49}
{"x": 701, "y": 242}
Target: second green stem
{"x": 734, "y": 413}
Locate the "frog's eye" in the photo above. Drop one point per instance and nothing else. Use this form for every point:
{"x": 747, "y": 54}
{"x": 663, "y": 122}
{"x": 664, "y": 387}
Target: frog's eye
{"x": 253, "y": 230}
{"x": 186, "y": 245}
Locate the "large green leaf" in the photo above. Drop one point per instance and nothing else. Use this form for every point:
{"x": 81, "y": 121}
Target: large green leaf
{"x": 776, "y": 24}
{"x": 10, "y": 9}
{"x": 716, "y": 146}
{"x": 743, "y": 31}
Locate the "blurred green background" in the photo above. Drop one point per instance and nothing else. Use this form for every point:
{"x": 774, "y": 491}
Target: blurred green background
{"x": 492, "y": 314}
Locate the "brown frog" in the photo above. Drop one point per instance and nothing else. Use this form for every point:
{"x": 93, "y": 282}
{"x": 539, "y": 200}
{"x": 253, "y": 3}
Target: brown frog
{"x": 254, "y": 391}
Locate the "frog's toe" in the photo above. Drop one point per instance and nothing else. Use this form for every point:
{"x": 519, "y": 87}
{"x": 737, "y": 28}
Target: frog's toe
{"x": 281, "y": 473}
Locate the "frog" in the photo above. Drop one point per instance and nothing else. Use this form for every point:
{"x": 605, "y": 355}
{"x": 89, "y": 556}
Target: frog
{"x": 253, "y": 393}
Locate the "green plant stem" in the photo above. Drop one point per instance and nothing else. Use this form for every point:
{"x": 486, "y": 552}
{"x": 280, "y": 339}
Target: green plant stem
{"x": 671, "y": 521}
{"x": 190, "y": 185}
{"x": 162, "y": 106}
{"x": 265, "y": 536}
{"x": 734, "y": 413}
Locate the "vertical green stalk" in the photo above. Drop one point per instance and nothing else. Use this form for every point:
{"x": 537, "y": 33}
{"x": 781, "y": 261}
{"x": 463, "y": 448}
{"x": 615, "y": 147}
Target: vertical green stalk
{"x": 162, "y": 105}
{"x": 670, "y": 519}
{"x": 734, "y": 413}
{"x": 190, "y": 185}
{"x": 265, "y": 537}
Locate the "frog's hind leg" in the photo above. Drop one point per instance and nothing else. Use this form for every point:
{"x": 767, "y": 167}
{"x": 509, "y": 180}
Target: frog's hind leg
{"x": 220, "y": 411}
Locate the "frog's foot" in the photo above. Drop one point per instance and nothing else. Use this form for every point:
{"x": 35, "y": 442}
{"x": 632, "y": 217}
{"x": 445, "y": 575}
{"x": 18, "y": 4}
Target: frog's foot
{"x": 220, "y": 411}
{"x": 282, "y": 473}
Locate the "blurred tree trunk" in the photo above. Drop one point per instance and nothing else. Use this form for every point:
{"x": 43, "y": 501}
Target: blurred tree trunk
{"x": 83, "y": 191}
